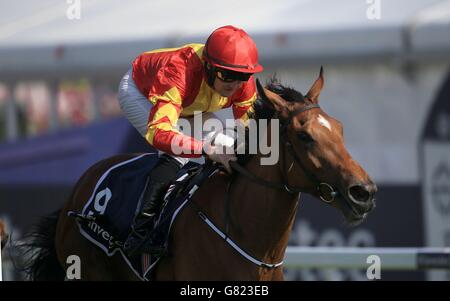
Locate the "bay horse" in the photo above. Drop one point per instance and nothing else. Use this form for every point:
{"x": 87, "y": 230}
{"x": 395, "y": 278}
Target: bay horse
{"x": 257, "y": 205}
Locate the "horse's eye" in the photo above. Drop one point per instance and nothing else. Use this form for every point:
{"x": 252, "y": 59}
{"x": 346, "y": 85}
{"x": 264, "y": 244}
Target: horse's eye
{"x": 305, "y": 137}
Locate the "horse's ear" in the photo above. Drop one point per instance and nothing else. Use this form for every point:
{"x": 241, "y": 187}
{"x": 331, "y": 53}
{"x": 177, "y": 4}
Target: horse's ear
{"x": 277, "y": 102}
{"x": 314, "y": 92}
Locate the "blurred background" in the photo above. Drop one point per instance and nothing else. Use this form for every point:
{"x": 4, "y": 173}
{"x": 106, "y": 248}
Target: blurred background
{"x": 387, "y": 80}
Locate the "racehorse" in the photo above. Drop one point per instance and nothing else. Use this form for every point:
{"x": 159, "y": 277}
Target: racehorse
{"x": 256, "y": 205}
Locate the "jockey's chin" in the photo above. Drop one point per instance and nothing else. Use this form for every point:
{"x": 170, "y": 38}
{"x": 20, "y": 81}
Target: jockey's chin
{"x": 227, "y": 89}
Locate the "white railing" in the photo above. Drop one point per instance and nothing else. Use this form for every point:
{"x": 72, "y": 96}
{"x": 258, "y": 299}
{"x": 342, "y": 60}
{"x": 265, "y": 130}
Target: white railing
{"x": 350, "y": 257}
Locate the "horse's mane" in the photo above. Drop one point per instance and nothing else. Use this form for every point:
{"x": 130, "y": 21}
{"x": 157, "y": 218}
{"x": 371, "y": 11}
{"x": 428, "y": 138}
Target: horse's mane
{"x": 261, "y": 109}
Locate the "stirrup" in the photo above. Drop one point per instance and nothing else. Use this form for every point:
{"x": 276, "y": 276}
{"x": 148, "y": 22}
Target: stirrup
{"x": 143, "y": 222}
{"x": 134, "y": 243}
{"x": 149, "y": 215}
{"x": 139, "y": 235}
{"x": 155, "y": 250}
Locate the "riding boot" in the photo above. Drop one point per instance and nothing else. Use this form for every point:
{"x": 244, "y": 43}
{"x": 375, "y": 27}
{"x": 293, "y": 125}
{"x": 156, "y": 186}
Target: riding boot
{"x": 159, "y": 179}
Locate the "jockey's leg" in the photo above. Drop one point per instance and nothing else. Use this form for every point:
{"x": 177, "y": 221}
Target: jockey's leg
{"x": 160, "y": 177}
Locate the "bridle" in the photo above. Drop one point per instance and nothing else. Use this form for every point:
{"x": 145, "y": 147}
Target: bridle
{"x": 326, "y": 192}
{"x": 284, "y": 185}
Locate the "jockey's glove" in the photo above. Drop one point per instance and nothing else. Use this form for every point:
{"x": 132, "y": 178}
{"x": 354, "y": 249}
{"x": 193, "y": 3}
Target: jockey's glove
{"x": 220, "y": 154}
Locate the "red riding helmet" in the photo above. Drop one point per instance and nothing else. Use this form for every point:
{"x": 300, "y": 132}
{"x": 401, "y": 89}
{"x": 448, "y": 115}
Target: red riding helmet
{"x": 232, "y": 48}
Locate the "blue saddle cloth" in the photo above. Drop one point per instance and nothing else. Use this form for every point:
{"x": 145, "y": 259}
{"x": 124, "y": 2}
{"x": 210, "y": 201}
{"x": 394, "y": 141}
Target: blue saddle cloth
{"x": 108, "y": 214}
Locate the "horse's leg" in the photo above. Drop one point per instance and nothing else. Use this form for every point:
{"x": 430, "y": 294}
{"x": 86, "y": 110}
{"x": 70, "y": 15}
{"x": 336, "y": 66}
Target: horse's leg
{"x": 278, "y": 275}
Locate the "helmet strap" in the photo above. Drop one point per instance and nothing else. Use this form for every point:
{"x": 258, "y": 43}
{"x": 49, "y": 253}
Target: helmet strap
{"x": 210, "y": 74}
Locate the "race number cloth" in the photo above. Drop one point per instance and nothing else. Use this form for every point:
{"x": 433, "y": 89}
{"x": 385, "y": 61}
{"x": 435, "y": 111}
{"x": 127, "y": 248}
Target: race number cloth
{"x": 108, "y": 214}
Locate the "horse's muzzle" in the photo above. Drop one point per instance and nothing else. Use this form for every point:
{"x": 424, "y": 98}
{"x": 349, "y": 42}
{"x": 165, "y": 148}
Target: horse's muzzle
{"x": 363, "y": 195}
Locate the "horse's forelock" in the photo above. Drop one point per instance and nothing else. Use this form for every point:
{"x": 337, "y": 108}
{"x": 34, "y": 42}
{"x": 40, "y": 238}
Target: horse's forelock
{"x": 288, "y": 93}
{"x": 264, "y": 110}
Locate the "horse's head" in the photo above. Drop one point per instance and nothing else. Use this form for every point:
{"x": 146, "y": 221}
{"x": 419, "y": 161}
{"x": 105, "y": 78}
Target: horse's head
{"x": 313, "y": 141}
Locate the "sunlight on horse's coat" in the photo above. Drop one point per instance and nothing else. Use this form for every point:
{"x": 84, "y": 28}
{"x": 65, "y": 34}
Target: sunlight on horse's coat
{"x": 324, "y": 122}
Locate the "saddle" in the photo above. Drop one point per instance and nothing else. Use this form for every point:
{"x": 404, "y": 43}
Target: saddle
{"x": 108, "y": 214}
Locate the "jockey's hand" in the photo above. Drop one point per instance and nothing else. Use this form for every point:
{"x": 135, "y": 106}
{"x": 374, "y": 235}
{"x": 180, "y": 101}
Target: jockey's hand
{"x": 222, "y": 155}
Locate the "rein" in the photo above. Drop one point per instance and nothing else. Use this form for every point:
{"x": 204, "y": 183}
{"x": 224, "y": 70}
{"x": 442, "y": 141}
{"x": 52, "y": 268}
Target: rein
{"x": 324, "y": 189}
{"x": 284, "y": 185}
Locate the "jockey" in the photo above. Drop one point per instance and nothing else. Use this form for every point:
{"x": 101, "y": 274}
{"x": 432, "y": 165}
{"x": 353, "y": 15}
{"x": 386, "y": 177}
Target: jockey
{"x": 164, "y": 85}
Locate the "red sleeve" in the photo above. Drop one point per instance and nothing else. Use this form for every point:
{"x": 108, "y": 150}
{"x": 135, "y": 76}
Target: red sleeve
{"x": 163, "y": 78}
{"x": 161, "y": 132}
{"x": 243, "y": 100}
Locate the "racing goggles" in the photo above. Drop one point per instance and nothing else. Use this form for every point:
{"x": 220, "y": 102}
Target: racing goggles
{"x": 230, "y": 76}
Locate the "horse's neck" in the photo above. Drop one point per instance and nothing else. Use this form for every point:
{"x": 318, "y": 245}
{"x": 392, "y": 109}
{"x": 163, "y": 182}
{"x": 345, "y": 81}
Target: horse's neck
{"x": 262, "y": 216}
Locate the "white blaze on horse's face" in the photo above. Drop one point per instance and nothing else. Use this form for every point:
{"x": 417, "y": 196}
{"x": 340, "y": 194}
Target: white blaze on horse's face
{"x": 324, "y": 122}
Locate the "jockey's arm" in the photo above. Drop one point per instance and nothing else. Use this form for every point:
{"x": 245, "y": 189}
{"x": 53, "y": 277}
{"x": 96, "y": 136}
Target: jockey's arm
{"x": 162, "y": 134}
{"x": 242, "y": 109}
{"x": 243, "y": 104}
{"x": 164, "y": 137}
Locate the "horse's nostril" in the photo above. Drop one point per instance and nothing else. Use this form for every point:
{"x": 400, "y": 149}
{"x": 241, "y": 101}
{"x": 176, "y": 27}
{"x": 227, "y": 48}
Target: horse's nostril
{"x": 360, "y": 193}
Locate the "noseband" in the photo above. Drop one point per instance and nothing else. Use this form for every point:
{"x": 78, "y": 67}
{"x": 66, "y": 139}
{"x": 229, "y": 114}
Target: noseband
{"x": 326, "y": 192}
